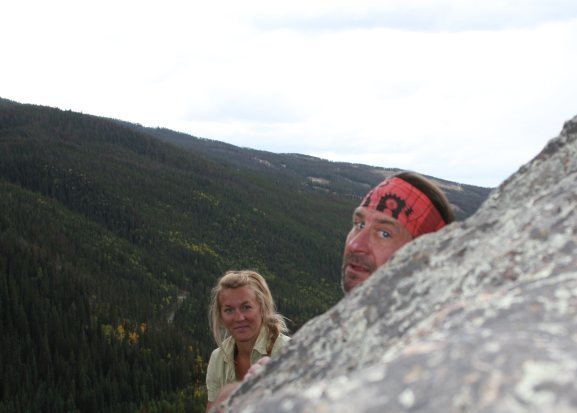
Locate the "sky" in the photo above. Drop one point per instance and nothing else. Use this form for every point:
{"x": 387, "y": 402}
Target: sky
{"x": 463, "y": 90}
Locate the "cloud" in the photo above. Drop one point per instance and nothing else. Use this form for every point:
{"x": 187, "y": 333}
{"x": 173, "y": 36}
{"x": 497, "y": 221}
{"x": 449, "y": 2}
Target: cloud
{"x": 248, "y": 106}
{"x": 465, "y": 90}
{"x": 416, "y": 15}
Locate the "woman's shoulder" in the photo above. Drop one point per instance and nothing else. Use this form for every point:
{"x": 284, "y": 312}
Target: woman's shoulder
{"x": 283, "y": 337}
{"x": 215, "y": 353}
{"x": 224, "y": 347}
{"x": 280, "y": 342}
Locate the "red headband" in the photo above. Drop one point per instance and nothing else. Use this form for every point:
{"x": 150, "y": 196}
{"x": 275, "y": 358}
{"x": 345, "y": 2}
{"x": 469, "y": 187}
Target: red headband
{"x": 399, "y": 199}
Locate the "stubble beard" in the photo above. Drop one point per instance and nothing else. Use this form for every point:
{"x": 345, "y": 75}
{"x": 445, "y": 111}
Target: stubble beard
{"x": 349, "y": 281}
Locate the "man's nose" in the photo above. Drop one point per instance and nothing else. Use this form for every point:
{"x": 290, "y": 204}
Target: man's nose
{"x": 360, "y": 241}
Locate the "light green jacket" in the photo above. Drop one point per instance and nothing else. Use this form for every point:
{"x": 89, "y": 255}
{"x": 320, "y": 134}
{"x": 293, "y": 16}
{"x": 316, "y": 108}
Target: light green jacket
{"x": 221, "y": 370}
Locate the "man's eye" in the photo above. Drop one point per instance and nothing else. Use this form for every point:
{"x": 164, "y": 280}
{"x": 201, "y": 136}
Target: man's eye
{"x": 359, "y": 225}
{"x": 384, "y": 234}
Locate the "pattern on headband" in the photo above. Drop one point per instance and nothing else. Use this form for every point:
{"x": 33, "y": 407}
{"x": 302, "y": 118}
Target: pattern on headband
{"x": 397, "y": 198}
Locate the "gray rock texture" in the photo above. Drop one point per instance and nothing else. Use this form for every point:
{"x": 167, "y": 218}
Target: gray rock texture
{"x": 479, "y": 317}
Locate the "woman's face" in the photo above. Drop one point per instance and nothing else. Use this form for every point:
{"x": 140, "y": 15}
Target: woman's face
{"x": 240, "y": 313}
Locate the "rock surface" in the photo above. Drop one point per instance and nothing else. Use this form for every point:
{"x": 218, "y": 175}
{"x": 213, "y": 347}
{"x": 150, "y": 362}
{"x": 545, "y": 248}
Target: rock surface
{"x": 479, "y": 317}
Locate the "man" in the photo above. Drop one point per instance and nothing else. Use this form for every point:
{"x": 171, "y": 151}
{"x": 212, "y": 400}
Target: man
{"x": 398, "y": 210}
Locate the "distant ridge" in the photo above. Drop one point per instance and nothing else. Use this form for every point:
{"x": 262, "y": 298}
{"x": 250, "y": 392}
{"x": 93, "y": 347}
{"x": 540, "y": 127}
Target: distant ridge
{"x": 343, "y": 178}
{"x": 7, "y": 102}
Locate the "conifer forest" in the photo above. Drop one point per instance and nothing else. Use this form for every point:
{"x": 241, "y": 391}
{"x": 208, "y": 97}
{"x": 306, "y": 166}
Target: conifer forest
{"x": 112, "y": 236}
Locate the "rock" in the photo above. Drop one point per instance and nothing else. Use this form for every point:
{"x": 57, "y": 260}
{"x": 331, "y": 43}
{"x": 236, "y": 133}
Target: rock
{"x": 479, "y": 317}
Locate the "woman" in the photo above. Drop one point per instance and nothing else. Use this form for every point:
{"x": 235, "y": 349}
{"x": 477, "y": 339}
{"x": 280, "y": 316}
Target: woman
{"x": 245, "y": 326}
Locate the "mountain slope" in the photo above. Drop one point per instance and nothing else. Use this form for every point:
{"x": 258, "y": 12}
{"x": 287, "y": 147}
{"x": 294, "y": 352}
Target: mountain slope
{"x": 105, "y": 224}
{"x": 102, "y": 228}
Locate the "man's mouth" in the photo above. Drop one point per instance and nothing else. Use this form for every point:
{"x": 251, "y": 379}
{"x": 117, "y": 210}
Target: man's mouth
{"x": 357, "y": 268}
{"x": 358, "y": 264}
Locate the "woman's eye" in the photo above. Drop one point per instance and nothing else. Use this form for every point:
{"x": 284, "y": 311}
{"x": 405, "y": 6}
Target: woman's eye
{"x": 228, "y": 310}
{"x": 246, "y": 307}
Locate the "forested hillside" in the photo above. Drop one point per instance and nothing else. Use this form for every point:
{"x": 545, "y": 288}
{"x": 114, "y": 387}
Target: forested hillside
{"x": 111, "y": 239}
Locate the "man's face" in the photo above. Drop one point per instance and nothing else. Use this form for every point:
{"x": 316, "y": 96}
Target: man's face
{"x": 372, "y": 240}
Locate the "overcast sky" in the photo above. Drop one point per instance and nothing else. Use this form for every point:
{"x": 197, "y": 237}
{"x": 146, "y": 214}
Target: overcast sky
{"x": 462, "y": 90}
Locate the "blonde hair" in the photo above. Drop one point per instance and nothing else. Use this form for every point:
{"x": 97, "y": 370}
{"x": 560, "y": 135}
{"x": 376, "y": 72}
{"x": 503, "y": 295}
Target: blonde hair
{"x": 273, "y": 321}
